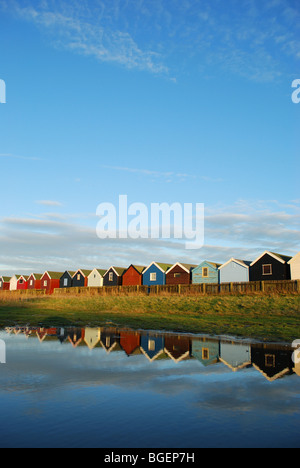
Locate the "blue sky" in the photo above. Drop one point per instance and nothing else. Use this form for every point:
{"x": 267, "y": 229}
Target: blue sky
{"x": 185, "y": 101}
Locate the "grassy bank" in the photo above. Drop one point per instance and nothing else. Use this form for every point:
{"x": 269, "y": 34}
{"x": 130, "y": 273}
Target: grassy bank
{"x": 257, "y": 316}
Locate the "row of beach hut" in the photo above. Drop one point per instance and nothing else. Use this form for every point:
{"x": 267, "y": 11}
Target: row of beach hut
{"x": 274, "y": 361}
{"x": 268, "y": 266}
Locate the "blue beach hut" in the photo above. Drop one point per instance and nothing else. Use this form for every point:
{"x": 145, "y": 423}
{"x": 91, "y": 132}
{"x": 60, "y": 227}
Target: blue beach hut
{"x": 206, "y": 272}
{"x": 155, "y": 274}
{"x": 235, "y": 271}
{"x": 152, "y": 346}
{"x": 206, "y": 350}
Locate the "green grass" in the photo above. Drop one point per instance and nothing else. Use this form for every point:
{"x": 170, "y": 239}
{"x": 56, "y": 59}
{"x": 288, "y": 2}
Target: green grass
{"x": 253, "y": 316}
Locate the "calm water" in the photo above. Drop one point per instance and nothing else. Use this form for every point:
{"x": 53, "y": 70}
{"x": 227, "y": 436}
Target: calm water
{"x": 113, "y": 388}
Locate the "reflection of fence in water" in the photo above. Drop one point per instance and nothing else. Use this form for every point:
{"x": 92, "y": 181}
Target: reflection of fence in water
{"x": 273, "y": 361}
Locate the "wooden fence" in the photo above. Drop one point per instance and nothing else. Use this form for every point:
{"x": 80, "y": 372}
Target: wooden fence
{"x": 190, "y": 289}
{"x": 268, "y": 287}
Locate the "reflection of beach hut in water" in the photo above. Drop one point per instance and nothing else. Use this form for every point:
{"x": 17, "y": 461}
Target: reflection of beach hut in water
{"x": 296, "y": 361}
{"x": 206, "y": 350}
{"x": 109, "y": 339}
{"x": 76, "y": 336}
{"x": 235, "y": 355}
{"x": 28, "y": 332}
{"x": 130, "y": 342}
{"x": 62, "y": 334}
{"x": 272, "y": 361}
{"x": 152, "y": 346}
{"x": 41, "y": 333}
{"x": 177, "y": 347}
{"x": 52, "y": 332}
{"x": 92, "y": 337}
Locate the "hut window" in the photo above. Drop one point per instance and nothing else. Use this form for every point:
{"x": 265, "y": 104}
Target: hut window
{"x": 45, "y": 283}
{"x": 0, "y": 284}
{"x": 111, "y": 276}
{"x": 152, "y": 276}
{"x": 205, "y": 353}
{"x": 205, "y": 272}
{"x": 177, "y": 275}
{"x": 151, "y": 345}
{"x": 78, "y": 277}
{"x": 267, "y": 269}
{"x": 66, "y": 282}
{"x": 270, "y": 360}
{"x": 31, "y": 282}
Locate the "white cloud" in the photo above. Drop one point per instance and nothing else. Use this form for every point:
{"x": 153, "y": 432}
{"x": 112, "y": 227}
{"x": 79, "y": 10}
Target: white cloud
{"x": 258, "y": 225}
{"x": 243, "y": 230}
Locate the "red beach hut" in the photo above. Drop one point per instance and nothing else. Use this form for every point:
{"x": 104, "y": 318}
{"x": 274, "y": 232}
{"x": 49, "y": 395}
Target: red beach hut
{"x": 4, "y": 283}
{"x": 21, "y": 283}
{"x": 34, "y": 281}
{"x": 133, "y": 276}
{"x": 50, "y": 280}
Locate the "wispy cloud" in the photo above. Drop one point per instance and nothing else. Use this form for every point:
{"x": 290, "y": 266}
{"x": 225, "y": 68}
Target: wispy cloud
{"x": 50, "y": 203}
{"x": 256, "y": 40}
{"x": 88, "y": 31}
{"x": 265, "y": 225}
{"x": 147, "y": 172}
{"x": 168, "y": 176}
{"x": 252, "y": 39}
{"x": 15, "y": 156}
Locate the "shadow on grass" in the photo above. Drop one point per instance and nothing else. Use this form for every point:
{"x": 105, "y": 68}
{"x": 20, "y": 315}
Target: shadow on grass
{"x": 13, "y": 317}
{"x": 57, "y": 321}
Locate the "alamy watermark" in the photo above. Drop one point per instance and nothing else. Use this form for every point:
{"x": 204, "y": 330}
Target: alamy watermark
{"x": 2, "y": 92}
{"x": 296, "y": 93}
{"x": 161, "y": 221}
{"x": 296, "y": 353}
{"x": 2, "y": 352}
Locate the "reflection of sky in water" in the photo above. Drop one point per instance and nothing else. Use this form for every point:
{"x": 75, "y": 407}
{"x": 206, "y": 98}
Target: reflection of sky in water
{"x": 54, "y": 395}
